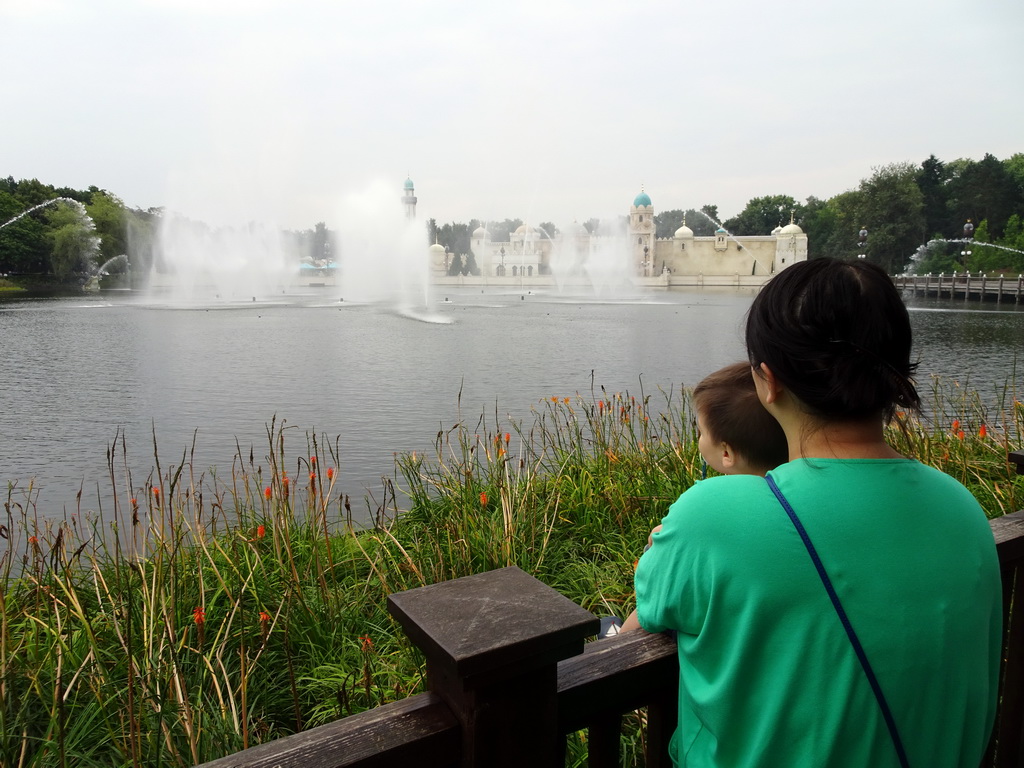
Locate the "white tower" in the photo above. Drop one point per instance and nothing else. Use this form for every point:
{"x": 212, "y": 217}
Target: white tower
{"x": 790, "y": 245}
{"x": 409, "y": 199}
{"x": 641, "y": 235}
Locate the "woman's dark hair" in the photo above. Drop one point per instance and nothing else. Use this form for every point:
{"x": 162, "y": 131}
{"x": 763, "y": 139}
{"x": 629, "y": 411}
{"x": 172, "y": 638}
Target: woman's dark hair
{"x": 731, "y": 412}
{"x": 837, "y": 335}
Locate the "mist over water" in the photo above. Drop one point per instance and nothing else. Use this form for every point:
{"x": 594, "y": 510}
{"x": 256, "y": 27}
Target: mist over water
{"x": 80, "y": 372}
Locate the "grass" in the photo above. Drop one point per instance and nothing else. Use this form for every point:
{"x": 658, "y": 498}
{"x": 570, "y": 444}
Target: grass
{"x": 210, "y": 611}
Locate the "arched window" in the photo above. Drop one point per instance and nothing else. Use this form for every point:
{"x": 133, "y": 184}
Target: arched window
{"x": 529, "y": 271}
{"x": 515, "y": 271}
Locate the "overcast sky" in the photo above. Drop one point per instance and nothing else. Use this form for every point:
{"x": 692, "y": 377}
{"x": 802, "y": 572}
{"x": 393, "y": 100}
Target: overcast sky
{"x": 239, "y": 110}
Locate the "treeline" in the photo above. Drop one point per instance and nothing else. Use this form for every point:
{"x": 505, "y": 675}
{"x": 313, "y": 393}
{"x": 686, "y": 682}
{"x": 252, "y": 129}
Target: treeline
{"x": 909, "y": 212}
{"x": 76, "y": 234}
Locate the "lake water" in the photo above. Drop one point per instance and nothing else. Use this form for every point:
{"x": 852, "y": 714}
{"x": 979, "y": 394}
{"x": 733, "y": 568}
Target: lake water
{"x": 78, "y": 372}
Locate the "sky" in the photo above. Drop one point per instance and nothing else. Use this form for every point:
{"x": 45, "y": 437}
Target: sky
{"x": 234, "y": 111}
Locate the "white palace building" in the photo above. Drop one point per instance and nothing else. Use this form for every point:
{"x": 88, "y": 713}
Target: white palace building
{"x": 535, "y": 258}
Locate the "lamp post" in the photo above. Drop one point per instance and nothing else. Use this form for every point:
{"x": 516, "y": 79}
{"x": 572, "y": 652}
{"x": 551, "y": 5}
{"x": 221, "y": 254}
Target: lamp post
{"x": 862, "y": 243}
{"x": 502, "y": 254}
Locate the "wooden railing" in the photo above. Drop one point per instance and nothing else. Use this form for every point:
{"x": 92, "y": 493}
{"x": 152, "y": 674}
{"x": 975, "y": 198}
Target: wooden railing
{"x": 509, "y": 678}
{"x": 979, "y": 286}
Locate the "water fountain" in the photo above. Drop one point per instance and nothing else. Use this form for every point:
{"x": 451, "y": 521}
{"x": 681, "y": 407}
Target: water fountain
{"x": 197, "y": 264}
{"x": 383, "y": 255}
{"x": 597, "y": 262}
{"x": 381, "y": 260}
{"x": 70, "y": 201}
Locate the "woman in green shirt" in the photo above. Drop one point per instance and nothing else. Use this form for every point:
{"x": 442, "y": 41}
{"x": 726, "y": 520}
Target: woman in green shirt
{"x": 769, "y": 675}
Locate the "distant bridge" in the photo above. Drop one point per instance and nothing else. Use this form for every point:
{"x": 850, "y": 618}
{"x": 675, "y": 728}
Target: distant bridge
{"x": 964, "y": 286}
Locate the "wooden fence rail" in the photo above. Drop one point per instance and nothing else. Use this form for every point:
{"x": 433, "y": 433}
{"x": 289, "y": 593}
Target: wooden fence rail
{"x": 965, "y": 286}
{"x": 509, "y": 678}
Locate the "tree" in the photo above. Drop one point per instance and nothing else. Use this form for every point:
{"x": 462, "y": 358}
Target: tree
{"x": 73, "y": 238}
{"x": 891, "y": 207}
{"x": 667, "y": 222}
{"x": 762, "y": 215}
{"x": 108, "y": 215}
{"x": 455, "y": 268}
{"x": 819, "y": 220}
{"x": 841, "y": 220}
{"x": 322, "y": 248}
{"x": 23, "y": 244}
{"x": 932, "y": 179}
{"x": 986, "y": 190}
{"x": 703, "y": 222}
{"x": 548, "y": 230}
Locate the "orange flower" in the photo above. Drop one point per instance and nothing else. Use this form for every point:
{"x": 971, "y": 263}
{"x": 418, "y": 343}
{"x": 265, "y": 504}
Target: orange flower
{"x": 264, "y": 617}
{"x": 261, "y": 531}
{"x": 960, "y": 434}
{"x": 156, "y": 493}
{"x": 600, "y": 406}
{"x": 312, "y": 477}
{"x": 507, "y": 437}
{"x": 330, "y": 473}
{"x": 284, "y": 484}
{"x": 956, "y": 424}
{"x": 33, "y": 540}
{"x": 483, "y": 499}
{"x": 565, "y": 400}
{"x": 267, "y": 493}
{"x": 365, "y": 643}
{"x": 554, "y": 399}
{"x": 135, "y": 502}
{"x": 982, "y": 431}
{"x": 312, "y": 459}
{"x": 198, "y": 616}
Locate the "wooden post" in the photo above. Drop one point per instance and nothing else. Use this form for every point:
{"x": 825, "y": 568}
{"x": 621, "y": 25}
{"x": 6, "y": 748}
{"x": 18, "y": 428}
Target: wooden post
{"x": 492, "y": 643}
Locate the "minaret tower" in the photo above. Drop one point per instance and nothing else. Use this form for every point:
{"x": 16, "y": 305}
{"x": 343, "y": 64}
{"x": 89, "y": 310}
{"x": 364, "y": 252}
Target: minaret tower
{"x": 641, "y": 233}
{"x": 409, "y": 199}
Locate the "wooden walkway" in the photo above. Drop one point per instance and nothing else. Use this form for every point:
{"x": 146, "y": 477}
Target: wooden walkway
{"x": 964, "y": 286}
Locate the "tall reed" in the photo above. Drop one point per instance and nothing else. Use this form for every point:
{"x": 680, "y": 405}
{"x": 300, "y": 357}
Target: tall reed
{"x": 204, "y": 612}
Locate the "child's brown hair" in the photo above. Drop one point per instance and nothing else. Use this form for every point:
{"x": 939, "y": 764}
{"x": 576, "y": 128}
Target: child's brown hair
{"x": 731, "y": 413}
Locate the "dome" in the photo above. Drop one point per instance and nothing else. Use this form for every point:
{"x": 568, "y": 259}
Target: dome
{"x": 480, "y": 232}
{"x": 791, "y": 229}
{"x": 408, "y": 183}
{"x": 436, "y": 248}
{"x": 643, "y": 199}
{"x": 684, "y": 231}
{"x": 777, "y": 230}
{"x": 524, "y": 229}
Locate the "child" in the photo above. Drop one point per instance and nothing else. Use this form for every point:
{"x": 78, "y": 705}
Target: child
{"x": 736, "y": 435}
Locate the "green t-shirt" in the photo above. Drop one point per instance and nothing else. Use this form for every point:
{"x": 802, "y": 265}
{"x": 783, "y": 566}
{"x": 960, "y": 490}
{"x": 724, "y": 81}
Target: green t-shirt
{"x": 767, "y": 674}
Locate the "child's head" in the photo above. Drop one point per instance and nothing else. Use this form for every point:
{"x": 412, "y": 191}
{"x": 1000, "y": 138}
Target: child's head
{"x": 737, "y": 435}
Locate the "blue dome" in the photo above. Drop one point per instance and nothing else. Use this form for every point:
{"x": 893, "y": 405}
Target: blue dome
{"x": 642, "y": 199}
{"x": 408, "y": 183}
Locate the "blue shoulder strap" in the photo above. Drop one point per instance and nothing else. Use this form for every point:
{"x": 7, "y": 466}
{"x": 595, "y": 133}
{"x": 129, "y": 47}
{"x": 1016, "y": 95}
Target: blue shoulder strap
{"x": 857, "y": 647}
